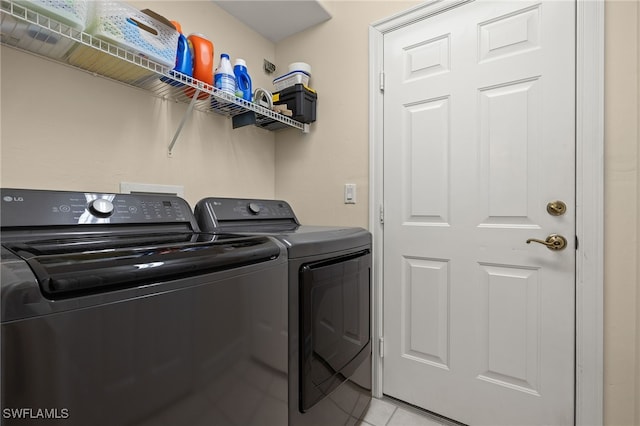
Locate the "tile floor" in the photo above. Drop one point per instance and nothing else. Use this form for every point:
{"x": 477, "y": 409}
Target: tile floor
{"x": 389, "y": 412}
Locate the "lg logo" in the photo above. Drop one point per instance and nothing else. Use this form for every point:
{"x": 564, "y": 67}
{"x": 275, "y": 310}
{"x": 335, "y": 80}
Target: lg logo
{"x": 10, "y": 199}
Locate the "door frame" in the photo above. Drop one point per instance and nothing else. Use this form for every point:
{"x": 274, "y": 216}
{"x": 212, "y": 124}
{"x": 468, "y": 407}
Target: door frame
{"x": 589, "y": 194}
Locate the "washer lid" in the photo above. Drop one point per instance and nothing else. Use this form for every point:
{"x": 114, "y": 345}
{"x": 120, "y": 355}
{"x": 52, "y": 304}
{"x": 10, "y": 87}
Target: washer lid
{"x": 313, "y": 240}
{"x": 95, "y": 264}
{"x": 276, "y": 218}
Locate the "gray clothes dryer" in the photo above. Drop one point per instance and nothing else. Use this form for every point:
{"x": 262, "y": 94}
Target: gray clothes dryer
{"x": 117, "y": 311}
{"x": 328, "y": 364}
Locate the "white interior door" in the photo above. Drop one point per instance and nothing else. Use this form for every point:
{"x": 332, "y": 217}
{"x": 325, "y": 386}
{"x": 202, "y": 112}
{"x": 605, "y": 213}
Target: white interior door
{"x": 479, "y": 136}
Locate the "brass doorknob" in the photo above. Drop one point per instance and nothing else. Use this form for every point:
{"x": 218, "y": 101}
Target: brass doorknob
{"x": 553, "y": 242}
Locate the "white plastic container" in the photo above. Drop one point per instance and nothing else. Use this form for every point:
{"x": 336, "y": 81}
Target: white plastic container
{"x": 73, "y": 13}
{"x": 34, "y": 38}
{"x": 290, "y": 79}
{"x": 126, "y": 26}
{"x": 300, "y": 66}
{"x": 224, "y": 79}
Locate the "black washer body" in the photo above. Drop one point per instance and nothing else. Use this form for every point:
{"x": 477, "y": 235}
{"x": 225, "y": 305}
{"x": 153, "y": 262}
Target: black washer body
{"x": 329, "y": 306}
{"x": 116, "y": 310}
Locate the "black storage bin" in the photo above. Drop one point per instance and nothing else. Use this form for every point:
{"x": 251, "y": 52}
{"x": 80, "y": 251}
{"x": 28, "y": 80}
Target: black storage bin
{"x": 300, "y": 99}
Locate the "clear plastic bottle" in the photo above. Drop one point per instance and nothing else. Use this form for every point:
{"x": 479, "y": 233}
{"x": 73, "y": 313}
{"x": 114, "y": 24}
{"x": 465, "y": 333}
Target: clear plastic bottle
{"x": 243, "y": 80}
{"x": 224, "y": 79}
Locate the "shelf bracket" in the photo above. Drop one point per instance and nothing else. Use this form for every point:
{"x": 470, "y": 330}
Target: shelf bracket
{"x": 187, "y": 114}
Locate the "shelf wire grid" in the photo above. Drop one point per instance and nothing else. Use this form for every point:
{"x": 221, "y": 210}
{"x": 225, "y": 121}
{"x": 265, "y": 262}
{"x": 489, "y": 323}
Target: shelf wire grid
{"x": 108, "y": 60}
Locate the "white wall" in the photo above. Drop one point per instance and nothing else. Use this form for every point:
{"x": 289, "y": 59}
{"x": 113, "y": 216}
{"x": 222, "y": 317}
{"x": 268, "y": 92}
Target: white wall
{"x": 637, "y": 262}
{"x": 622, "y": 226}
{"x": 311, "y": 170}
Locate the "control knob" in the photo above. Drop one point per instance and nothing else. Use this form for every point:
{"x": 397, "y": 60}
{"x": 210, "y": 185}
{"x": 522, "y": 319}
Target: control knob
{"x": 253, "y": 208}
{"x": 101, "y": 207}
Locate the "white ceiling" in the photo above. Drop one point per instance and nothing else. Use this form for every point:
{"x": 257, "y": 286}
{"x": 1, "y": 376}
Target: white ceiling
{"x": 276, "y": 19}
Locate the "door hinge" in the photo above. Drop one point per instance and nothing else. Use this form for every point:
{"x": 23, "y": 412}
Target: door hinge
{"x": 381, "y": 347}
{"x": 381, "y": 215}
{"x": 382, "y": 81}
{"x": 576, "y": 242}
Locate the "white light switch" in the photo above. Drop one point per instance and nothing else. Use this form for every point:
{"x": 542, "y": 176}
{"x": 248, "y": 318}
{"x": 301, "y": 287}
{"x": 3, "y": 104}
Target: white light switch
{"x": 349, "y": 193}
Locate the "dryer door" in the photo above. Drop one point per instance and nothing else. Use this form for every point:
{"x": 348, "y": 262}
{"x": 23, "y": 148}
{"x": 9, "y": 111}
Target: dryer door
{"x": 335, "y": 300}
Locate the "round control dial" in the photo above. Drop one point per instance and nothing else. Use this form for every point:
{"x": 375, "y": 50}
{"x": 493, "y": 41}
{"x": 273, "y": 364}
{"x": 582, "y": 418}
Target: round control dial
{"x": 101, "y": 207}
{"x": 253, "y": 208}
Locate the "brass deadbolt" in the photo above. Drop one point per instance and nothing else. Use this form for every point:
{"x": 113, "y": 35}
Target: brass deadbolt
{"x": 556, "y": 208}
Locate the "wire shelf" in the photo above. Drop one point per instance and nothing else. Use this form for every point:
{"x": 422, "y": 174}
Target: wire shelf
{"x": 28, "y": 30}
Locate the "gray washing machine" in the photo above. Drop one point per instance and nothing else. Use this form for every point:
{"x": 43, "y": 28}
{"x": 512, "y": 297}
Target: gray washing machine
{"x": 117, "y": 311}
{"x": 328, "y": 304}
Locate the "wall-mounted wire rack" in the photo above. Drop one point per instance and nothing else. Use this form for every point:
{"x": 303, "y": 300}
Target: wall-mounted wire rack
{"x": 64, "y": 44}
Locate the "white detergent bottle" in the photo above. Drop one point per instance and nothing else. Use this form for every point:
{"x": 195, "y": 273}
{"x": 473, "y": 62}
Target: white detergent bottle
{"x": 224, "y": 79}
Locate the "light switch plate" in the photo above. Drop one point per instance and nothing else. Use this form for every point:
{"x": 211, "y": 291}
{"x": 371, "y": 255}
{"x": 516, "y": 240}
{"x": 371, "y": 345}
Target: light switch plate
{"x": 349, "y": 193}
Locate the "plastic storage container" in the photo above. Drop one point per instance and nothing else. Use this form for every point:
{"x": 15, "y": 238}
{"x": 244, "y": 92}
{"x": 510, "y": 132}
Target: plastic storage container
{"x": 126, "y": 26}
{"x": 301, "y": 100}
{"x": 291, "y": 79}
{"x": 73, "y": 13}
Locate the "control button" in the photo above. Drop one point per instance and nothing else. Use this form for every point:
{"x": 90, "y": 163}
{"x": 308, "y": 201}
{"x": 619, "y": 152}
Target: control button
{"x": 101, "y": 207}
{"x": 253, "y": 208}
{"x": 65, "y": 208}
